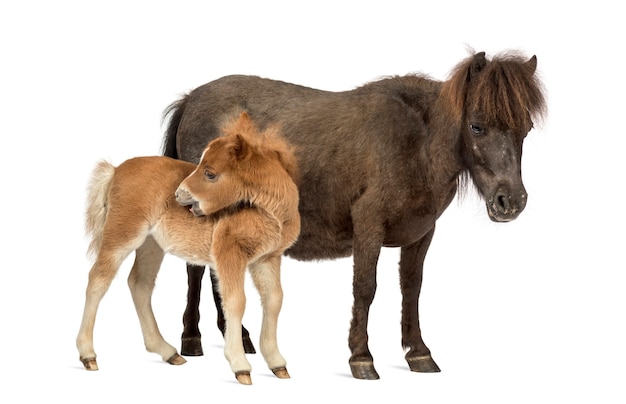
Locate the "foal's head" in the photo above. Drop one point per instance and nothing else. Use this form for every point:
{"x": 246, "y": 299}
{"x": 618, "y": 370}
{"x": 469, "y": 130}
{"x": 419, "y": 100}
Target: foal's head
{"x": 238, "y": 167}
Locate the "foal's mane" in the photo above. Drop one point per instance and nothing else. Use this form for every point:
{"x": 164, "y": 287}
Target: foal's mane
{"x": 506, "y": 90}
{"x": 269, "y": 143}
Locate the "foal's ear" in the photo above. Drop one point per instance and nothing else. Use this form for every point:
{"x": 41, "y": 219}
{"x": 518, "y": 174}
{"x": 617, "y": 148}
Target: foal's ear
{"x": 479, "y": 61}
{"x": 531, "y": 64}
{"x": 240, "y": 149}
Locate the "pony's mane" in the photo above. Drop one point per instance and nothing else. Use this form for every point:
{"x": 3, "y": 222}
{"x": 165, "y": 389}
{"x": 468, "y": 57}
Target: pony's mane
{"x": 507, "y": 90}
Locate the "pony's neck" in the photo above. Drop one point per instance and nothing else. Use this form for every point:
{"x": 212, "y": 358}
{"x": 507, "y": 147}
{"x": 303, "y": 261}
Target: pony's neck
{"x": 444, "y": 148}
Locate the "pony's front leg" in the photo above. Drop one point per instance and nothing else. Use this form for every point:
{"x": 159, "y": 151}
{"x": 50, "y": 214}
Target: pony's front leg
{"x": 411, "y": 269}
{"x": 231, "y": 275}
{"x": 266, "y": 277}
{"x": 141, "y": 280}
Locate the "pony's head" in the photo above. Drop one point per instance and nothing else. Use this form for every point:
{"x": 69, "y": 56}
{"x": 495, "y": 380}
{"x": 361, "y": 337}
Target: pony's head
{"x": 496, "y": 102}
{"x": 239, "y": 166}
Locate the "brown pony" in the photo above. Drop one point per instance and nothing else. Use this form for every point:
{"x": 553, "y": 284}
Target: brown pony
{"x": 379, "y": 165}
{"x": 237, "y": 209}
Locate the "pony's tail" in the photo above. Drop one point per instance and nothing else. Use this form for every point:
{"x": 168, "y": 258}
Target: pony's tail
{"x": 175, "y": 112}
{"x": 97, "y": 204}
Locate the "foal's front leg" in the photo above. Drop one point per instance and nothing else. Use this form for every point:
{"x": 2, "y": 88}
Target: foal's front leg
{"x": 141, "y": 280}
{"x": 266, "y": 277}
{"x": 230, "y": 271}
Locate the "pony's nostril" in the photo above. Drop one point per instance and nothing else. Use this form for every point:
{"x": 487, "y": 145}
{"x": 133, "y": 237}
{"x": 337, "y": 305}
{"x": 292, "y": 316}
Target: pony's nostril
{"x": 503, "y": 202}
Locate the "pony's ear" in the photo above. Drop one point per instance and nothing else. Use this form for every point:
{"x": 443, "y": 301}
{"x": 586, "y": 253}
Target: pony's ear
{"x": 479, "y": 61}
{"x": 531, "y": 64}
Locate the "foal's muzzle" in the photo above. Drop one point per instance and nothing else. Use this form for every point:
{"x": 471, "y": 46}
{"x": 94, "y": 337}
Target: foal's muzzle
{"x": 184, "y": 198}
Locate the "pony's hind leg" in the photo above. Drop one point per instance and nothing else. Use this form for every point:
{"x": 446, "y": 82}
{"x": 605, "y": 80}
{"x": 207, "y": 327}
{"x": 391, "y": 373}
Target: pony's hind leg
{"x": 148, "y": 258}
{"x": 101, "y": 275}
{"x": 266, "y": 277}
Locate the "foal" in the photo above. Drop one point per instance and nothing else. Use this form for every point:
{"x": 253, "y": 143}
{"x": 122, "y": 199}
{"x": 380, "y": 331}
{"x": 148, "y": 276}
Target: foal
{"x": 237, "y": 209}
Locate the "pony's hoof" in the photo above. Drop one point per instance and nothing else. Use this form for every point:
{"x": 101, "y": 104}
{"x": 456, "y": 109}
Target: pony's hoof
{"x": 281, "y": 373}
{"x": 364, "y": 370}
{"x": 423, "y": 364}
{"x": 192, "y": 346}
{"x": 243, "y": 377}
{"x": 176, "y": 359}
{"x": 89, "y": 363}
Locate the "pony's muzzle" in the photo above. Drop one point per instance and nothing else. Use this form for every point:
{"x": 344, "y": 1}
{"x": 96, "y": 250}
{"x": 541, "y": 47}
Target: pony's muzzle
{"x": 505, "y": 206}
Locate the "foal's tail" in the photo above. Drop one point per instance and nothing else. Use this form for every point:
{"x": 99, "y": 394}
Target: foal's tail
{"x": 175, "y": 111}
{"x": 97, "y": 201}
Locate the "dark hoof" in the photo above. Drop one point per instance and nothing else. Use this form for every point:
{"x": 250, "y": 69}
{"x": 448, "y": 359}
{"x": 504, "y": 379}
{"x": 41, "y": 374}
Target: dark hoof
{"x": 423, "y": 364}
{"x": 192, "y": 347}
{"x": 364, "y": 370}
{"x": 248, "y": 346}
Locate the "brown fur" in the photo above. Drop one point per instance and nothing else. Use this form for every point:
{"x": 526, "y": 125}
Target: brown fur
{"x": 244, "y": 201}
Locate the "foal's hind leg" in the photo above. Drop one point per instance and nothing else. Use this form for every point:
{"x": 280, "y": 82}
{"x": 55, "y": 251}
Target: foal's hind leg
{"x": 141, "y": 280}
{"x": 411, "y": 268}
{"x": 100, "y": 277}
{"x": 266, "y": 277}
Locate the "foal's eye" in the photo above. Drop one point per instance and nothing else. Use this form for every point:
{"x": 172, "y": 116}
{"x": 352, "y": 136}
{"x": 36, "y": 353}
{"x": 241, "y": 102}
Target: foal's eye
{"x": 477, "y": 129}
{"x": 210, "y": 175}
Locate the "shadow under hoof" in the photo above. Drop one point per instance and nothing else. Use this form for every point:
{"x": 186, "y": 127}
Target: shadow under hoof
{"x": 364, "y": 370}
{"x": 176, "y": 359}
{"x": 243, "y": 377}
{"x": 423, "y": 364}
{"x": 89, "y": 363}
{"x": 248, "y": 346}
{"x": 281, "y": 373}
{"x": 191, "y": 347}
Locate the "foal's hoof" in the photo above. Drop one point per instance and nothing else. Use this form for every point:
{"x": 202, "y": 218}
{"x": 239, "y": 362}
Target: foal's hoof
{"x": 243, "y": 377}
{"x": 281, "y": 373}
{"x": 192, "y": 346}
{"x": 176, "y": 359}
{"x": 364, "y": 370}
{"x": 89, "y": 363}
{"x": 423, "y": 364}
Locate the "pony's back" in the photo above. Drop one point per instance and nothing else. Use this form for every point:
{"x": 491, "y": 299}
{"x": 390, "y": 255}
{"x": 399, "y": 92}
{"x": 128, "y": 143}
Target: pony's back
{"x": 96, "y": 210}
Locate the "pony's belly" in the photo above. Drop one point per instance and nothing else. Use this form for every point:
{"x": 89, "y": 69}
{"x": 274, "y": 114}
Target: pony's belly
{"x": 319, "y": 248}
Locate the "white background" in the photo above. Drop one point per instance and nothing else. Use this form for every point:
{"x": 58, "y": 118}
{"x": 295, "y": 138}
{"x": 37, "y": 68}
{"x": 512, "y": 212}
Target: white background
{"x": 530, "y": 311}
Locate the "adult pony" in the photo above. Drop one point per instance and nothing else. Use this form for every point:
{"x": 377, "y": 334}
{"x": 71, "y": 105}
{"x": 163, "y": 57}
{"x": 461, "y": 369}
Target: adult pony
{"x": 238, "y": 208}
{"x": 379, "y": 164}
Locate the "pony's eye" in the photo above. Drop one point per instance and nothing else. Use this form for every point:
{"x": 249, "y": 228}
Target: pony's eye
{"x": 477, "y": 129}
{"x": 210, "y": 175}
